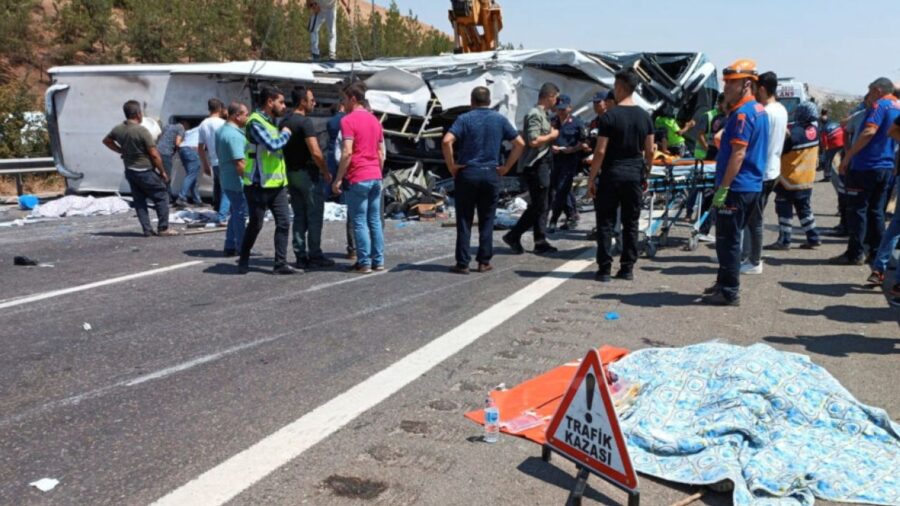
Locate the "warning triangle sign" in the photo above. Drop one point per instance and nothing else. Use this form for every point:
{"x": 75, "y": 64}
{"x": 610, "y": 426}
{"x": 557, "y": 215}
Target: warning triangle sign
{"x": 586, "y": 429}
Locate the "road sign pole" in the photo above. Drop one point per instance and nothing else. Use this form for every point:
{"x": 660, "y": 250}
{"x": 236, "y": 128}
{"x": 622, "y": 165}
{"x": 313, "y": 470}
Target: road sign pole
{"x": 578, "y": 489}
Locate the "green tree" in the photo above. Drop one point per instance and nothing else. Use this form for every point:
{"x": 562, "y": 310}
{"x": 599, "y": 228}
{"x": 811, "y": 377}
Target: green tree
{"x": 21, "y": 136}
{"x": 15, "y": 30}
{"x": 155, "y": 31}
{"x": 87, "y": 28}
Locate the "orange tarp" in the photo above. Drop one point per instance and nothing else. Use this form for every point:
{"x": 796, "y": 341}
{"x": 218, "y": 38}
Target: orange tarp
{"x": 541, "y": 394}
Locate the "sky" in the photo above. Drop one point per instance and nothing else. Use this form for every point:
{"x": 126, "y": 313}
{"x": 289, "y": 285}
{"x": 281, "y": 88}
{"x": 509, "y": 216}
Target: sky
{"x": 826, "y": 43}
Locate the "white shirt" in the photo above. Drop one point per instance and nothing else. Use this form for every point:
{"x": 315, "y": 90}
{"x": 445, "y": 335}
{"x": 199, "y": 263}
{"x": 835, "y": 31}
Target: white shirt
{"x": 208, "y": 137}
{"x": 778, "y": 120}
{"x": 191, "y": 138}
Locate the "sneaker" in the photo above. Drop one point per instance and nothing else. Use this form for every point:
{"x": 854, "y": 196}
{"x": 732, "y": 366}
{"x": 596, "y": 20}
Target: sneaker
{"x": 228, "y": 253}
{"x": 777, "y": 246}
{"x": 876, "y": 278}
{"x": 706, "y": 238}
{"x": 602, "y": 277}
{"x": 712, "y": 289}
{"x": 286, "y": 270}
{"x": 360, "y": 269}
{"x": 320, "y": 263}
{"x": 626, "y": 275}
{"x": 167, "y": 233}
{"x": 378, "y": 268}
{"x": 514, "y": 244}
{"x": 544, "y": 247}
{"x": 482, "y": 268}
{"x": 459, "y": 269}
{"x": 749, "y": 268}
{"x": 719, "y": 299}
{"x": 811, "y": 245}
{"x": 243, "y": 268}
{"x": 844, "y": 259}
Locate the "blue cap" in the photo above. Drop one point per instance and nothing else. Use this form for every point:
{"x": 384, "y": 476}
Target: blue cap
{"x": 563, "y": 102}
{"x": 599, "y": 97}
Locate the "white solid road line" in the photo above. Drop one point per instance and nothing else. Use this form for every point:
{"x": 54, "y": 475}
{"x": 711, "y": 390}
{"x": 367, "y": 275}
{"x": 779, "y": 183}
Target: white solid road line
{"x": 228, "y": 479}
{"x": 80, "y": 288}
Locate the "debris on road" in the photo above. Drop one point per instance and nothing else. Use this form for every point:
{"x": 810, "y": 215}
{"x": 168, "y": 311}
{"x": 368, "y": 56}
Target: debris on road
{"x": 28, "y": 202}
{"x": 45, "y": 484}
{"x": 86, "y": 326}
{"x": 612, "y": 315}
{"x": 335, "y": 212}
{"x": 24, "y": 261}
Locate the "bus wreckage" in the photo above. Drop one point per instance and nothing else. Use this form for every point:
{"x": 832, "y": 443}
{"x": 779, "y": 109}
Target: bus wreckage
{"x": 416, "y": 99}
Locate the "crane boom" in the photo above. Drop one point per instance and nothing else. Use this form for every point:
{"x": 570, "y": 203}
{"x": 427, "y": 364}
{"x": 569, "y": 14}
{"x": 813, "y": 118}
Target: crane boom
{"x": 468, "y": 16}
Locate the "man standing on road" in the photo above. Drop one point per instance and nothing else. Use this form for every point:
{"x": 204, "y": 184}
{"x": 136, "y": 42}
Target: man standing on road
{"x": 620, "y": 167}
{"x": 305, "y": 167}
{"x": 362, "y": 163}
{"x": 870, "y": 161}
{"x": 208, "y": 157}
{"x": 538, "y": 164}
{"x": 889, "y": 240}
{"x": 568, "y": 150}
{"x": 139, "y": 153}
{"x": 739, "y": 175}
{"x": 265, "y": 178}
{"x": 168, "y": 145}
{"x": 231, "y": 144}
{"x": 778, "y": 120}
{"x": 479, "y": 135}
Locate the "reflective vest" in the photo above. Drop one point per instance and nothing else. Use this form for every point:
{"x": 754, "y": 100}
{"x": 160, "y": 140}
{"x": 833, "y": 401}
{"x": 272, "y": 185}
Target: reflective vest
{"x": 272, "y": 169}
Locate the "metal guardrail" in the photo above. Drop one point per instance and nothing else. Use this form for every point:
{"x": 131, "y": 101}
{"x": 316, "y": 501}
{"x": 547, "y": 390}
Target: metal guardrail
{"x": 16, "y": 167}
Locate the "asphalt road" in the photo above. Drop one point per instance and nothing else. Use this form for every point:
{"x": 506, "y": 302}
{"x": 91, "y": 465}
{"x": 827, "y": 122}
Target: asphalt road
{"x": 183, "y": 369}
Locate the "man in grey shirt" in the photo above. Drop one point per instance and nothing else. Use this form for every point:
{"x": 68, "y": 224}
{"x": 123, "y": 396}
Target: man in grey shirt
{"x": 536, "y": 167}
{"x": 139, "y": 153}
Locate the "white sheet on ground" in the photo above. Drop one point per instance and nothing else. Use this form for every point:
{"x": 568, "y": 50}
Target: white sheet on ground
{"x": 74, "y": 205}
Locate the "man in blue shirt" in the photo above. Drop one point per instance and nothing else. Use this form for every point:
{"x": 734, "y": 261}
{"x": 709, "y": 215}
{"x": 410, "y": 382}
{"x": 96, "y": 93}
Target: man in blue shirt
{"x": 870, "y": 161}
{"x": 231, "y": 143}
{"x": 568, "y": 151}
{"x": 740, "y": 165}
{"x": 478, "y": 136}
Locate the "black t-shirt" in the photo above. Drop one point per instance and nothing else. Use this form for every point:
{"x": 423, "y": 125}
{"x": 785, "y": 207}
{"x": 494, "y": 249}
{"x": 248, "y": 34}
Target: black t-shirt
{"x": 626, "y": 127}
{"x": 296, "y": 152}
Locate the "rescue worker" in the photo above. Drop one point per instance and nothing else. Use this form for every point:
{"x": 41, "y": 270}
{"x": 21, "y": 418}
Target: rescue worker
{"x": 568, "y": 150}
{"x": 673, "y": 140}
{"x": 739, "y": 175}
{"x": 476, "y": 137}
{"x": 868, "y": 166}
{"x": 265, "y": 179}
{"x": 537, "y": 163}
{"x": 795, "y": 183}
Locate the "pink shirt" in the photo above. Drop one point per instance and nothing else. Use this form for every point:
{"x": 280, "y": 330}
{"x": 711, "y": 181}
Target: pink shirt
{"x": 365, "y": 130}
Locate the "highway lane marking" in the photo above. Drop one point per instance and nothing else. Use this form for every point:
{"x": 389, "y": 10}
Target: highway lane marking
{"x": 212, "y": 357}
{"x": 80, "y": 288}
{"x": 236, "y": 474}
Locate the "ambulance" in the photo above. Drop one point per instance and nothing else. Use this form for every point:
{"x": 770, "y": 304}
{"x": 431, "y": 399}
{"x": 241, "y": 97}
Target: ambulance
{"x": 790, "y": 93}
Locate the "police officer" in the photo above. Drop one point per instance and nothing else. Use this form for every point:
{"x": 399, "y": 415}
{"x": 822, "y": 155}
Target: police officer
{"x": 265, "y": 178}
{"x": 568, "y": 150}
{"x": 740, "y": 165}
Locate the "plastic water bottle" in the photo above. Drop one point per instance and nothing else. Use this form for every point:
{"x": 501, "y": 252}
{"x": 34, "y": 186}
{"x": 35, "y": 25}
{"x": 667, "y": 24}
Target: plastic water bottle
{"x": 491, "y": 421}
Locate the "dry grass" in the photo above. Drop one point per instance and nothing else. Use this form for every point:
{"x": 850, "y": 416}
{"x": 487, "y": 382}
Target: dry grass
{"x": 33, "y": 183}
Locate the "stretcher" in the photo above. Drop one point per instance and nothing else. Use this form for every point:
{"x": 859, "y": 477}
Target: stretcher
{"x": 672, "y": 190}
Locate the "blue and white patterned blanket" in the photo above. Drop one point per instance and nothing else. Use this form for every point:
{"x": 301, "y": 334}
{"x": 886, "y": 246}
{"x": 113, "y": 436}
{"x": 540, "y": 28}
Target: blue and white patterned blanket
{"x": 778, "y": 426}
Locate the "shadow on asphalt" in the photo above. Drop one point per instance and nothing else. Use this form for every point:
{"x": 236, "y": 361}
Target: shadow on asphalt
{"x": 652, "y": 299}
{"x": 204, "y": 253}
{"x": 682, "y": 270}
{"x": 550, "y": 474}
{"x": 841, "y": 345}
{"x": 424, "y": 267}
{"x": 118, "y": 234}
{"x": 814, "y": 262}
{"x": 851, "y": 314}
{"x": 827, "y": 290}
{"x": 683, "y": 259}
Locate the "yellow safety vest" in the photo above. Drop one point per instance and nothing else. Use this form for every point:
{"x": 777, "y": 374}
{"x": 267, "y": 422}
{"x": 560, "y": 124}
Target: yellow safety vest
{"x": 272, "y": 169}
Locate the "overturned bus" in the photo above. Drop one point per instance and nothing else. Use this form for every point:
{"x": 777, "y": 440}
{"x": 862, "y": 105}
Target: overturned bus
{"x": 416, "y": 99}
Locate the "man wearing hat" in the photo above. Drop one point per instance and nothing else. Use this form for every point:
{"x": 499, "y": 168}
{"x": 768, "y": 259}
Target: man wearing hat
{"x": 867, "y": 166}
{"x": 568, "y": 150}
{"x": 740, "y": 165}
{"x": 603, "y": 101}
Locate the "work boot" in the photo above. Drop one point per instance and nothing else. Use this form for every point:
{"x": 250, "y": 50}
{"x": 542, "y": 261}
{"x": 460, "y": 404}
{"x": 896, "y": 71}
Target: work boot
{"x": 360, "y": 269}
{"x": 514, "y": 244}
{"x": 719, "y": 299}
{"x": 602, "y": 276}
{"x": 542, "y": 248}
{"x": 625, "y": 274}
{"x": 777, "y": 246}
{"x": 243, "y": 268}
{"x": 378, "y": 268}
{"x": 712, "y": 289}
{"x": 482, "y": 268}
{"x": 302, "y": 263}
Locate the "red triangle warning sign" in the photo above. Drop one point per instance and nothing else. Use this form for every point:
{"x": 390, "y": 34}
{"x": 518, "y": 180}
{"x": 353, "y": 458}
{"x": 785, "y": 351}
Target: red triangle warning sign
{"x": 586, "y": 429}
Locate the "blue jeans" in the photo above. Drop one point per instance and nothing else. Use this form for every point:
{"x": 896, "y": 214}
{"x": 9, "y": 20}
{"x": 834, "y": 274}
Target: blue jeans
{"x": 786, "y": 201}
{"x": 867, "y": 192}
{"x": 167, "y": 164}
{"x": 888, "y": 244}
{"x": 477, "y": 189}
{"x": 224, "y": 202}
{"x": 237, "y": 224}
{"x": 190, "y": 160}
{"x": 364, "y": 208}
{"x": 730, "y": 222}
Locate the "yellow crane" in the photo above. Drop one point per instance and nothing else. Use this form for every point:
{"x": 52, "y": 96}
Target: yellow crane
{"x": 476, "y": 25}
